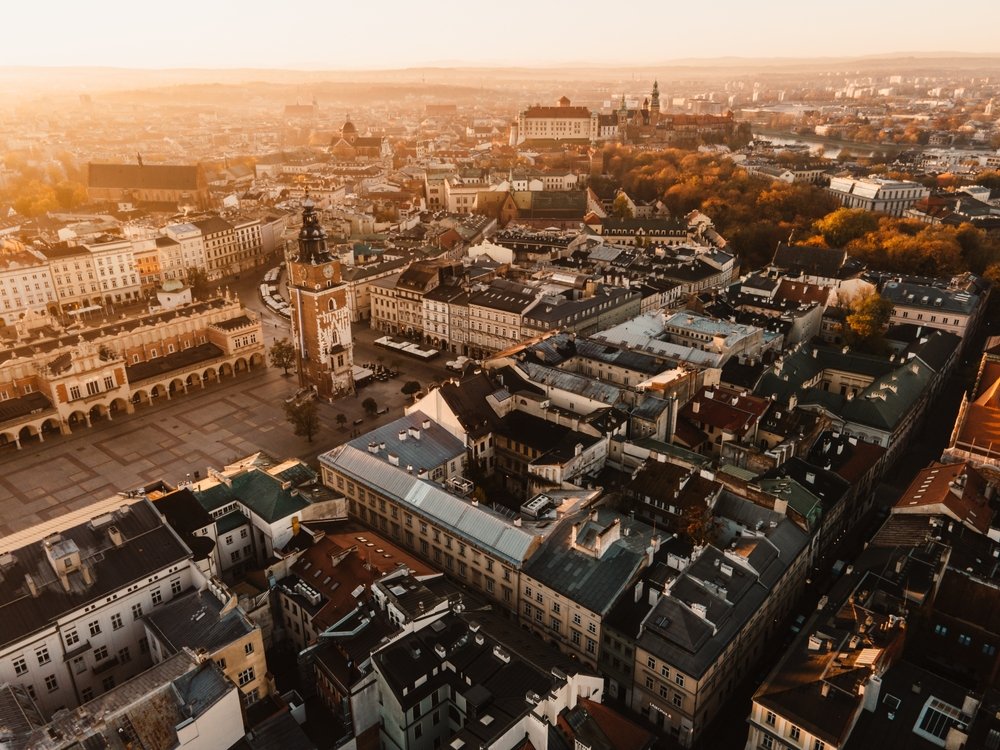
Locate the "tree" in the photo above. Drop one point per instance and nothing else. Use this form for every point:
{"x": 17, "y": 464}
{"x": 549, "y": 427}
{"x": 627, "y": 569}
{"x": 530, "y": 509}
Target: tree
{"x": 341, "y": 420}
{"x": 846, "y": 224}
{"x": 621, "y": 209}
{"x": 369, "y": 406}
{"x": 197, "y": 278}
{"x": 304, "y": 417}
{"x": 698, "y": 524}
{"x": 866, "y": 321}
{"x": 410, "y": 387}
{"x": 282, "y": 354}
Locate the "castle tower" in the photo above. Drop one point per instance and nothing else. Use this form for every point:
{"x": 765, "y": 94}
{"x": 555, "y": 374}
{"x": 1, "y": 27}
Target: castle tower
{"x": 623, "y": 121}
{"x": 321, "y": 320}
{"x": 654, "y": 104}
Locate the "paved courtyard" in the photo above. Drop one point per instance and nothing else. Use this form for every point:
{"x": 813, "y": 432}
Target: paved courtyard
{"x": 171, "y": 439}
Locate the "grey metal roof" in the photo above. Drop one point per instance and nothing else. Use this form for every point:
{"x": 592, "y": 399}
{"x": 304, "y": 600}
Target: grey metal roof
{"x": 196, "y": 621}
{"x": 481, "y": 527}
{"x": 434, "y": 446}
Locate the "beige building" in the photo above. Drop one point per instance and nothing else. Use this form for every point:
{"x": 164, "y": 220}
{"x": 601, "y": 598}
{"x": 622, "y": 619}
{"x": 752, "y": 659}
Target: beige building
{"x": 211, "y": 621}
{"x": 470, "y": 543}
{"x": 385, "y": 304}
{"x": 63, "y": 382}
{"x": 26, "y": 282}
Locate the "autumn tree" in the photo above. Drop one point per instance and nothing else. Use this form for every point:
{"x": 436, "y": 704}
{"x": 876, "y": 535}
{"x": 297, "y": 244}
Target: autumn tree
{"x": 621, "y": 209}
{"x": 370, "y": 406}
{"x": 304, "y": 417}
{"x": 698, "y": 524}
{"x": 867, "y": 319}
{"x": 282, "y": 354}
{"x": 845, "y": 225}
{"x": 197, "y": 278}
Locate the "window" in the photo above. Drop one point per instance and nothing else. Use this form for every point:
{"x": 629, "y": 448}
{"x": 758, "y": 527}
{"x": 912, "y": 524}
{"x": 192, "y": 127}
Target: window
{"x": 527, "y": 610}
{"x": 591, "y": 627}
{"x": 109, "y": 383}
{"x": 248, "y": 648}
{"x": 221, "y": 663}
{"x": 649, "y": 683}
{"x": 940, "y": 630}
{"x": 144, "y": 645}
{"x": 243, "y": 534}
{"x": 679, "y": 679}
{"x": 175, "y": 587}
{"x": 95, "y": 628}
{"x": 819, "y": 745}
{"x": 124, "y": 656}
{"x": 795, "y": 733}
{"x": 574, "y": 636}
{"x": 767, "y": 741}
{"x": 555, "y": 624}
{"x": 591, "y": 646}
{"x": 538, "y": 615}
{"x": 989, "y": 650}
{"x": 964, "y": 640}
{"x": 100, "y": 654}
{"x": 245, "y": 677}
{"x": 576, "y": 618}
{"x": 665, "y": 671}
{"x": 770, "y": 718}
{"x": 136, "y": 611}
{"x": 107, "y": 683}
{"x": 555, "y": 608}
{"x": 51, "y": 683}
{"x": 42, "y": 654}
{"x": 79, "y": 665}
{"x": 116, "y": 621}
{"x": 74, "y": 392}
{"x": 651, "y": 662}
{"x": 87, "y": 694}
{"x": 664, "y": 691}
{"x": 20, "y": 666}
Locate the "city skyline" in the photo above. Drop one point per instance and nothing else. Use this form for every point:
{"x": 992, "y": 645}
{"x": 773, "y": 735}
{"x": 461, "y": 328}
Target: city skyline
{"x": 313, "y": 36}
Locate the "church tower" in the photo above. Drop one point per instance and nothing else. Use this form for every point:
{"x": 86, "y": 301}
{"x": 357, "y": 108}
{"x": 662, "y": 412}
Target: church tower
{"x": 654, "y": 104}
{"x": 321, "y": 321}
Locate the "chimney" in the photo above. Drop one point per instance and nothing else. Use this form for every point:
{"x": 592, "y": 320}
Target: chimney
{"x": 32, "y": 586}
{"x": 426, "y": 424}
{"x": 695, "y": 406}
{"x": 116, "y": 536}
{"x": 402, "y": 436}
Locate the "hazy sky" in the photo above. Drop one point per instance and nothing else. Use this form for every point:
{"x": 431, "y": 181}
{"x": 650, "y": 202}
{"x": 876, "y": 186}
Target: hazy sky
{"x": 400, "y": 33}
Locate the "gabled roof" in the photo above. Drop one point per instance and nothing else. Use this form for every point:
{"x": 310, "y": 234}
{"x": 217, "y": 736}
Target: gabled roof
{"x": 151, "y": 176}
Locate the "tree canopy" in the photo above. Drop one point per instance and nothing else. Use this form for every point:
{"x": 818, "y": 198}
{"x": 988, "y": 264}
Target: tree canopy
{"x": 867, "y": 320}
{"x": 282, "y": 354}
{"x": 304, "y": 418}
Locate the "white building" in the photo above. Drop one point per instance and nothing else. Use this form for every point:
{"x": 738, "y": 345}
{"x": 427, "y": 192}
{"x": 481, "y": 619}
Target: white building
{"x": 893, "y": 197}
{"x": 73, "y": 596}
{"x": 26, "y": 282}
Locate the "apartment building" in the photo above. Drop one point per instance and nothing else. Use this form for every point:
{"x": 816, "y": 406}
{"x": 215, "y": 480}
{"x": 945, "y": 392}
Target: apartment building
{"x": 471, "y": 543}
{"x": 954, "y": 307}
{"x": 74, "y": 594}
{"x": 702, "y": 632}
{"x": 26, "y": 282}
{"x": 496, "y": 314}
{"x": 209, "y": 621}
{"x": 221, "y": 246}
{"x": 577, "y": 575}
{"x": 451, "y": 684}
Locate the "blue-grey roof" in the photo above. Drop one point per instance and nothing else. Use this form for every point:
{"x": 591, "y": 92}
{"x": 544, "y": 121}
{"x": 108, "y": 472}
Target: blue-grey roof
{"x": 593, "y": 583}
{"x": 196, "y": 621}
{"x": 481, "y": 527}
{"x": 606, "y": 393}
{"x": 423, "y": 448}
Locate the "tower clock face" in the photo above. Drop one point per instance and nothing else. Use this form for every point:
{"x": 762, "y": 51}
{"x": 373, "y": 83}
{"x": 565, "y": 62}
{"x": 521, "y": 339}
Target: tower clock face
{"x": 328, "y": 272}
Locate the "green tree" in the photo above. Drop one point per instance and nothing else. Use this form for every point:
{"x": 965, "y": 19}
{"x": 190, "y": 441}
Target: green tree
{"x": 282, "y": 354}
{"x": 304, "y": 418}
{"x": 70, "y": 194}
{"x": 369, "y": 406}
{"x": 845, "y": 225}
{"x": 867, "y": 320}
{"x": 341, "y": 420}
{"x": 621, "y": 209}
{"x": 410, "y": 387}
